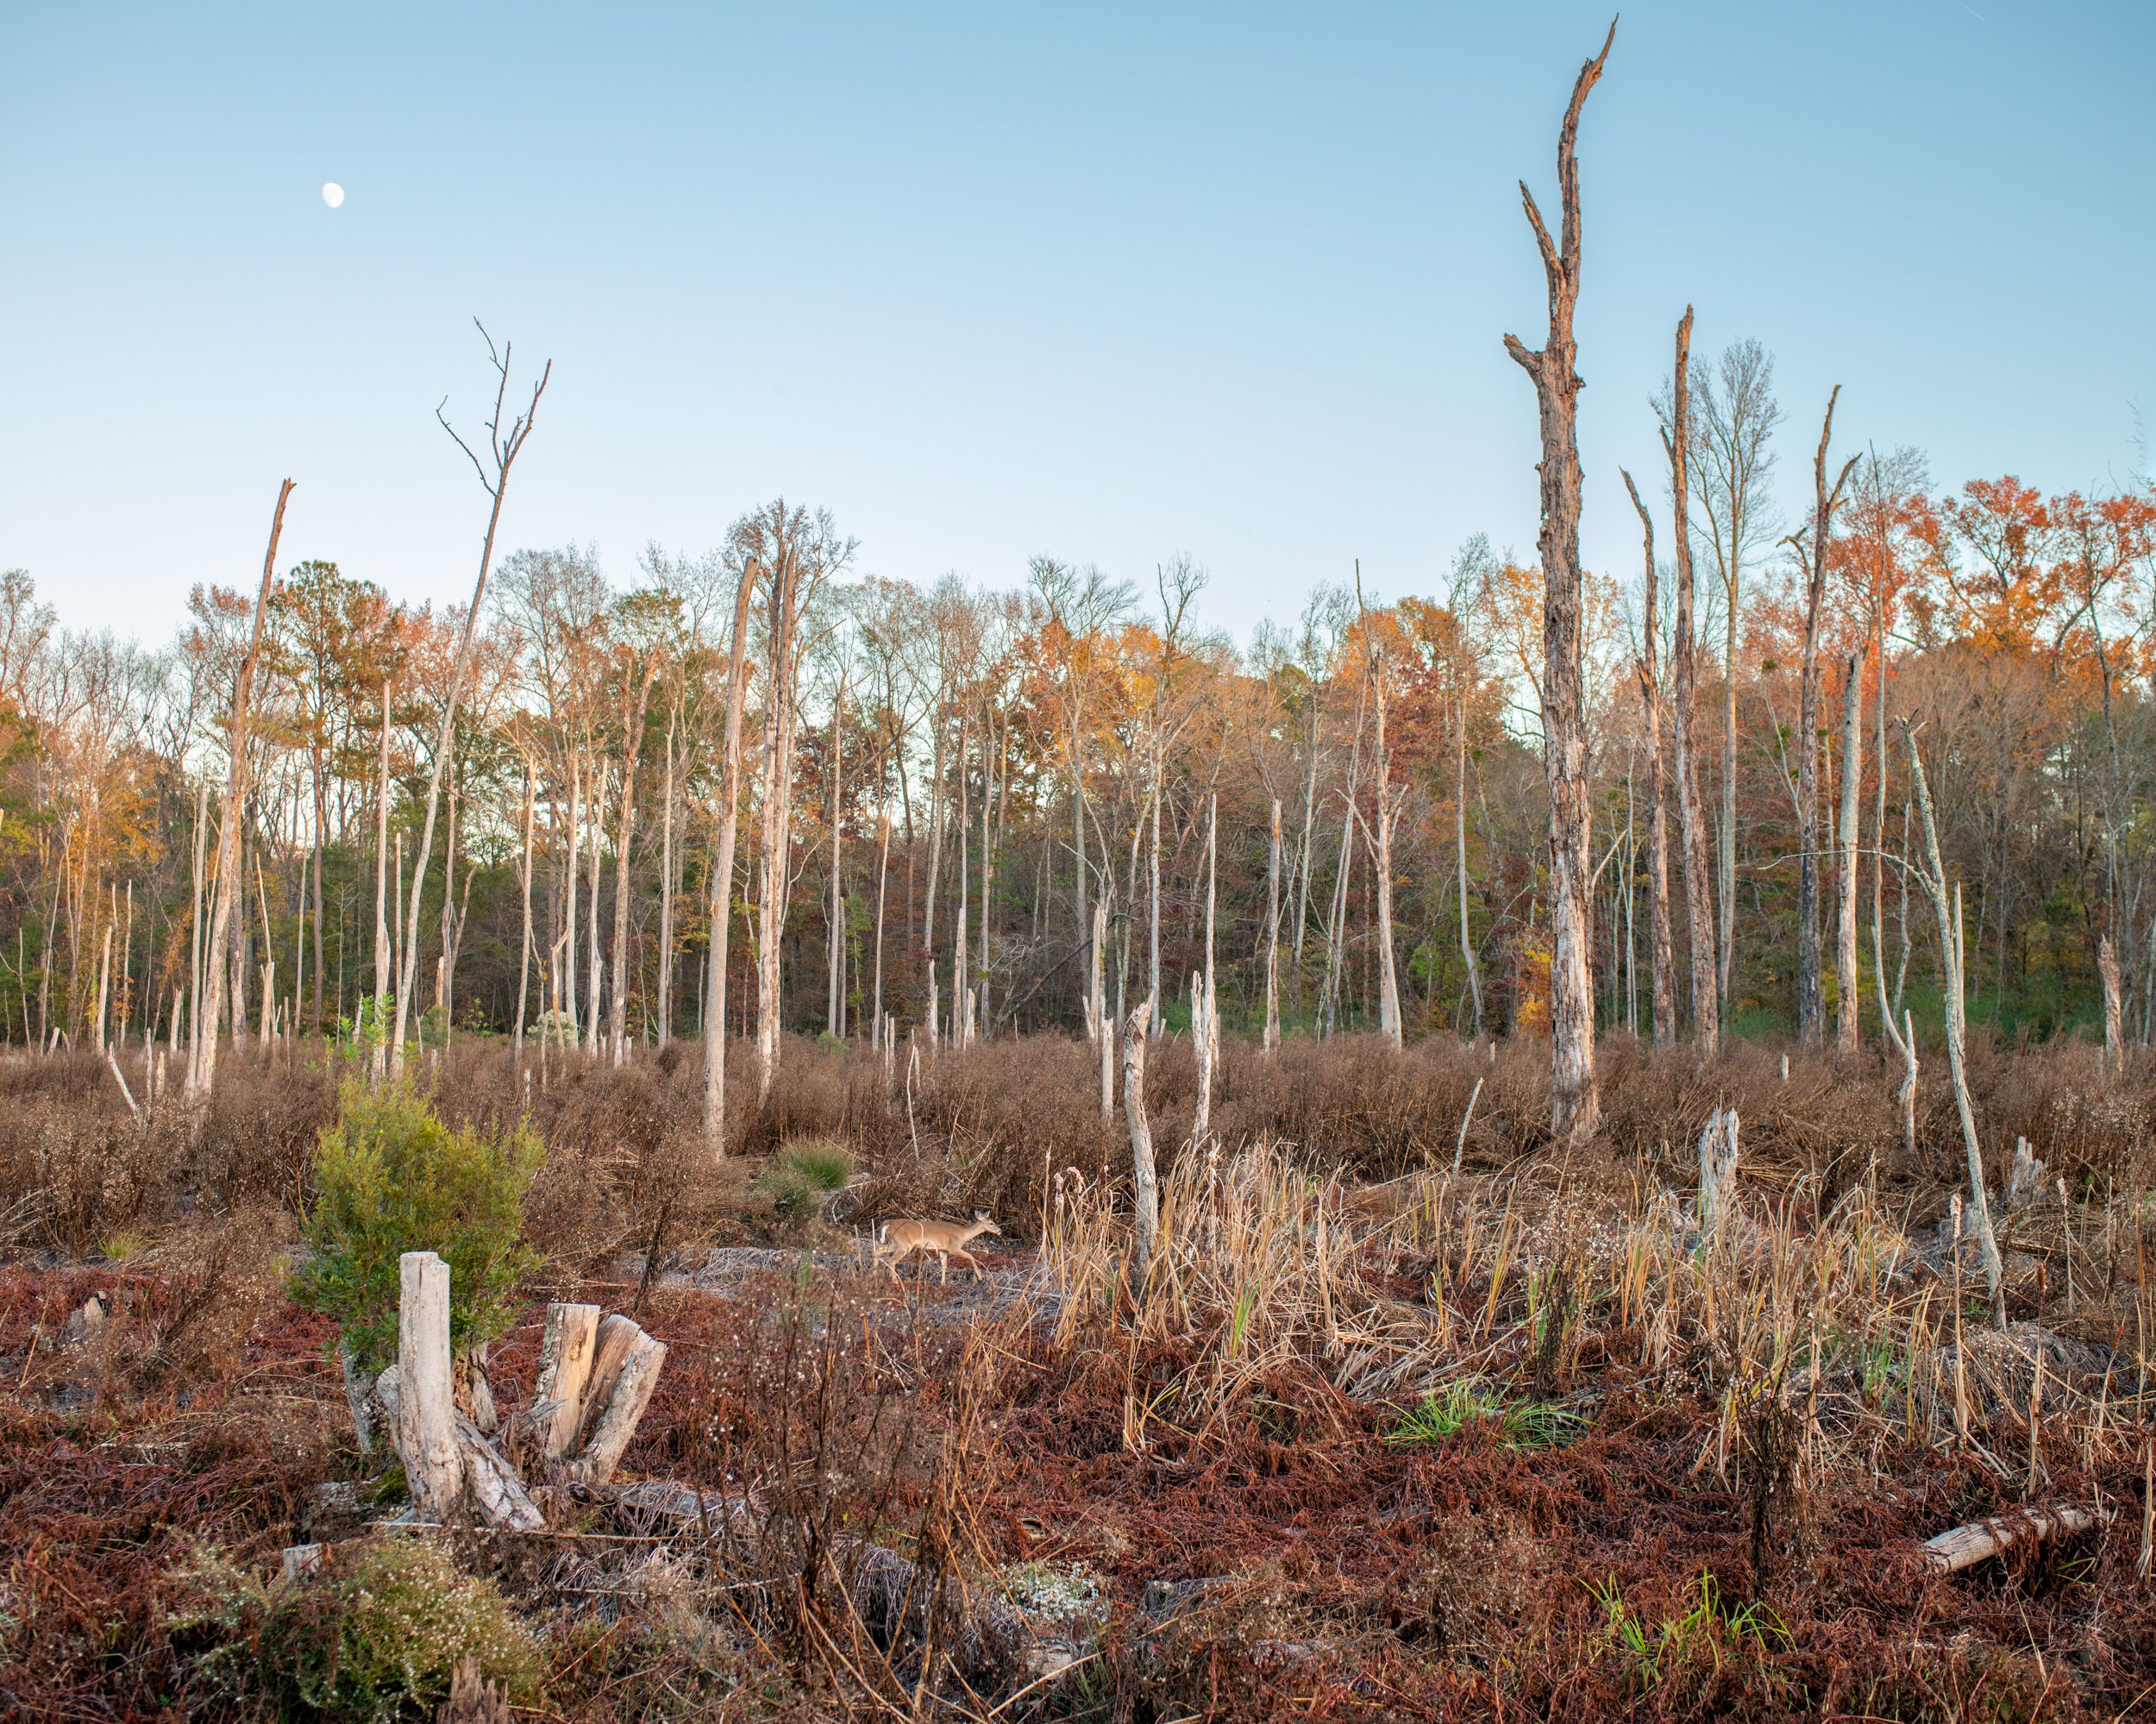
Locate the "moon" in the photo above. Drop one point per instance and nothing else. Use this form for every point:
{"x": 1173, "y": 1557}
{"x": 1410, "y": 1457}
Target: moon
{"x": 333, "y": 194}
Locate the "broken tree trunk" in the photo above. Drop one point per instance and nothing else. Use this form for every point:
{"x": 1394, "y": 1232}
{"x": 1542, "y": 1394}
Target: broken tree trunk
{"x": 425, "y": 1416}
{"x": 1717, "y": 1168}
{"x": 1846, "y": 993}
{"x": 2114, "y": 1034}
{"x": 1811, "y": 996}
{"x": 1575, "y": 1110}
{"x": 448, "y": 1462}
{"x": 565, "y": 1368}
{"x": 2025, "y": 1178}
{"x": 1144, "y": 1174}
{"x": 1661, "y": 962}
{"x": 617, "y": 1396}
{"x": 596, "y": 1378}
{"x": 358, "y": 1396}
{"x": 1272, "y": 937}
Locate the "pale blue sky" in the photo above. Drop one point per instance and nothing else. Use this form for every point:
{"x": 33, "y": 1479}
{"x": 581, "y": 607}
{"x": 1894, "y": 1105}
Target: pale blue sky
{"x": 1105, "y": 282}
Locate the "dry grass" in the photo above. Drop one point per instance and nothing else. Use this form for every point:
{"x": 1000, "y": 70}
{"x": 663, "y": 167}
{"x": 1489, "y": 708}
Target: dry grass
{"x": 1518, "y": 1440}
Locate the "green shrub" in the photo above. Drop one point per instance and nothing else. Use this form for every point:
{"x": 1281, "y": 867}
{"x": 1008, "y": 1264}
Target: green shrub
{"x": 367, "y": 1028}
{"x": 803, "y": 1175}
{"x": 373, "y": 1635}
{"x": 391, "y": 1177}
{"x": 562, "y": 1025}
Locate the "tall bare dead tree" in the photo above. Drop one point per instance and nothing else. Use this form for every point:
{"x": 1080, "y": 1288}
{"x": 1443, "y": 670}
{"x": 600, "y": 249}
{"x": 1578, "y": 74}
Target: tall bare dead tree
{"x": 1699, "y": 910}
{"x": 1459, "y": 843}
{"x": 503, "y": 447}
{"x": 722, "y": 868}
{"x": 1953, "y": 978}
{"x": 1272, "y": 935}
{"x": 1812, "y": 547}
{"x": 1575, "y": 1109}
{"x": 524, "y": 946}
{"x": 1204, "y": 999}
{"x": 203, "y": 1071}
{"x": 835, "y": 957}
{"x": 1381, "y": 836}
{"x": 1847, "y": 998}
{"x": 1660, "y": 960}
{"x": 666, "y": 889}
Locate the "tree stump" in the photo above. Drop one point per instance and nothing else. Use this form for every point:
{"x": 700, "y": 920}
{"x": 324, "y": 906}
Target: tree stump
{"x": 1717, "y": 1168}
{"x": 448, "y": 1462}
{"x": 596, "y": 1378}
{"x": 426, "y": 1418}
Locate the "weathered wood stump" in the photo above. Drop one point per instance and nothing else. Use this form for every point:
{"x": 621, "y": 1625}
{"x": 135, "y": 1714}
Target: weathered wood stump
{"x": 596, "y": 1377}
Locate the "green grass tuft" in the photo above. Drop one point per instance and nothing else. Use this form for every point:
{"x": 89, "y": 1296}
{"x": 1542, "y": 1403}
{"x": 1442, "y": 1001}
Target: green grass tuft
{"x": 1520, "y": 1424}
{"x": 803, "y": 1175}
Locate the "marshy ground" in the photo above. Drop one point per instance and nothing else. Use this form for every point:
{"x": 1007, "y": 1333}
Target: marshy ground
{"x": 1373, "y": 1439}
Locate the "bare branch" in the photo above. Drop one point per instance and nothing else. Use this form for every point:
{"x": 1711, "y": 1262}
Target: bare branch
{"x": 442, "y": 420}
{"x": 1567, "y": 162}
{"x": 1550, "y": 265}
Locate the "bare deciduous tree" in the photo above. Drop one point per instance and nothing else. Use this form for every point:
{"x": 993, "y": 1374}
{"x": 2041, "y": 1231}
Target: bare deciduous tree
{"x": 1734, "y": 415}
{"x": 798, "y": 552}
{"x": 503, "y": 447}
{"x": 722, "y": 868}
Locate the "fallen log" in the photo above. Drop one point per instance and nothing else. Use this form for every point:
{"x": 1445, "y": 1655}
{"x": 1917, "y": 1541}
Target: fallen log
{"x": 655, "y": 1502}
{"x": 1965, "y": 1546}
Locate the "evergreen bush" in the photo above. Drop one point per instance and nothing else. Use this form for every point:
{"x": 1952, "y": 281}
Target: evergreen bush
{"x": 391, "y": 1177}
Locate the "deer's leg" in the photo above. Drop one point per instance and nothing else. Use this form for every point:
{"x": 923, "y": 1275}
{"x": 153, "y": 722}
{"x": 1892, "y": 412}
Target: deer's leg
{"x": 973, "y": 1262}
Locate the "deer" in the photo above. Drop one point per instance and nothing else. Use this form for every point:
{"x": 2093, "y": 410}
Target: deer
{"x": 948, "y": 1239}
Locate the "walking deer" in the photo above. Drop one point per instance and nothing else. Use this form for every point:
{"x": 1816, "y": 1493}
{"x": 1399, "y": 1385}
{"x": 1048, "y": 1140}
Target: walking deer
{"x": 948, "y": 1239}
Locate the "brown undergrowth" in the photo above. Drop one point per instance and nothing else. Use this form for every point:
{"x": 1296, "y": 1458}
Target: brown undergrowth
{"x": 1372, "y": 1440}
{"x": 989, "y": 1127}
